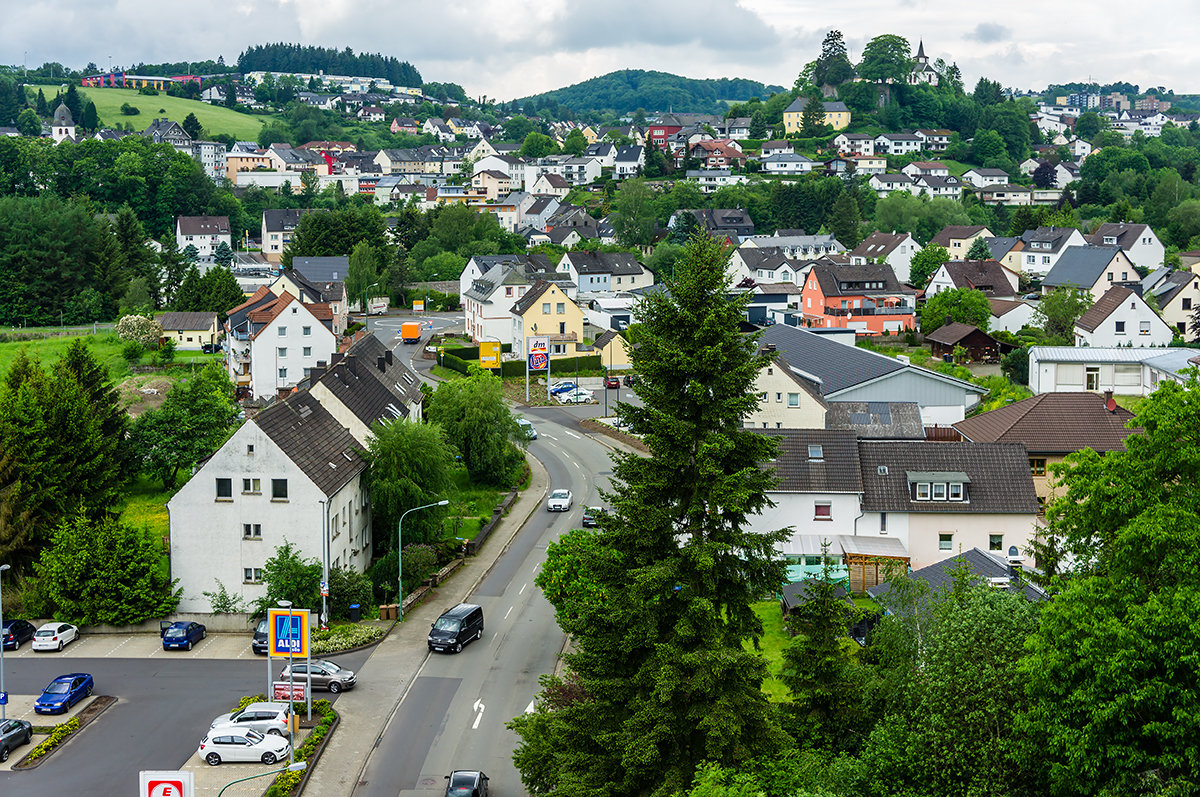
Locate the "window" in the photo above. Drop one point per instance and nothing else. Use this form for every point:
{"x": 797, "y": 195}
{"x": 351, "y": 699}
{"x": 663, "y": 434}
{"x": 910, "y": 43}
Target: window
{"x": 1143, "y": 327}
{"x": 283, "y": 332}
{"x": 923, "y": 491}
{"x": 225, "y": 489}
{"x": 939, "y": 492}
{"x": 778, "y": 398}
{"x": 545, "y": 308}
{"x": 252, "y": 531}
{"x": 1120, "y": 330}
{"x": 508, "y": 292}
{"x": 1185, "y": 303}
{"x": 307, "y": 351}
{"x": 1110, "y": 276}
{"x": 558, "y": 348}
{"x": 560, "y": 308}
{"x": 251, "y": 486}
{"x": 945, "y": 542}
{"x": 763, "y": 396}
{"x": 793, "y": 399}
{"x": 279, "y": 490}
{"x": 252, "y": 575}
{"x": 249, "y": 448}
{"x": 956, "y": 491}
{"x": 816, "y": 453}
{"x": 305, "y": 330}
{"x": 1045, "y": 260}
{"x": 883, "y": 522}
{"x": 1037, "y": 466}
{"x": 823, "y": 510}
{"x": 562, "y": 327}
{"x": 995, "y": 542}
{"x": 1124, "y": 276}
{"x": 282, "y": 351}
{"x": 283, "y": 373}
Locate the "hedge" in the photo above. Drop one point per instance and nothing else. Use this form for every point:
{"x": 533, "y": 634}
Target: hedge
{"x": 562, "y": 365}
{"x": 57, "y": 737}
{"x": 472, "y": 352}
{"x": 286, "y": 782}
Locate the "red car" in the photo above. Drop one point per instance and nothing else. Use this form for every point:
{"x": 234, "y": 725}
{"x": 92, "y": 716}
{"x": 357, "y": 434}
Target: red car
{"x": 612, "y": 382}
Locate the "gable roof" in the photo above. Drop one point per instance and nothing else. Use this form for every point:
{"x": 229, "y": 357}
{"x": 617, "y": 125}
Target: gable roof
{"x": 371, "y": 383}
{"x": 957, "y": 231}
{"x": 987, "y": 276}
{"x": 522, "y": 305}
{"x": 614, "y": 263}
{"x": 878, "y": 420}
{"x": 322, "y": 269}
{"x": 835, "y": 471}
{"x": 1052, "y": 423}
{"x": 879, "y": 244}
{"x": 1001, "y": 245}
{"x": 1113, "y": 298}
{"x": 203, "y": 225}
{"x": 1081, "y": 266}
{"x": 1002, "y": 306}
{"x": 998, "y": 475}
{"x": 852, "y": 280}
{"x": 1057, "y": 237}
{"x": 314, "y": 440}
{"x": 982, "y": 564}
{"x": 952, "y": 333}
{"x": 187, "y": 320}
{"x": 1126, "y": 235}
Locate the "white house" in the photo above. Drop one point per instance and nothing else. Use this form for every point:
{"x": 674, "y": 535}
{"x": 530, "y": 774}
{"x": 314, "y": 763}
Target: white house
{"x": 926, "y": 169}
{"x": 629, "y": 162}
{"x": 1178, "y": 296}
{"x": 896, "y": 249}
{"x": 884, "y": 184}
{"x": 1121, "y": 370}
{"x": 367, "y": 385}
{"x": 205, "y": 233}
{"x": 1011, "y": 315}
{"x": 898, "y": 143}
{"x": 605, "y": 271}
{"x": 988, "y": 276}
{"x": 1045, "y": 245}
{"x": 292, "y": 473}
{"x": 1138, "y": 241}
{"x": 777, "y": 147}
{"x": 273, "y": 341}
{"x": 487, "y": 301}
{"x": 787, "y": 163}
{"x": 982, "y": 178}
{"x": 1121, "y": 318}
{"x": 855, "y": 143}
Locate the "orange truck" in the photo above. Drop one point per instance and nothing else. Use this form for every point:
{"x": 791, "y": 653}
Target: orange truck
{"x": 410, "y": 332}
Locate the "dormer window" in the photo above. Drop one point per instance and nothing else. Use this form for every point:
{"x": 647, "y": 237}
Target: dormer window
{"x": 956, "y": 491}
{"x": 923, "y": 491}
{"x": 816, "y": 453}
{"x": 939, "y": 491}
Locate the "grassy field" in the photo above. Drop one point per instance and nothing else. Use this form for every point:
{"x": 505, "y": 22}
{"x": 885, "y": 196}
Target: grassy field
{"x": 105, "y": 347}
{"x": 145, "y": 507}
{"x": 773, "y": 641}
{"x": 214, "y": 118}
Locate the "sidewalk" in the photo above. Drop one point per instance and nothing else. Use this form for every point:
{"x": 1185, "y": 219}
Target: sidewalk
{"x": 389, "y": 672}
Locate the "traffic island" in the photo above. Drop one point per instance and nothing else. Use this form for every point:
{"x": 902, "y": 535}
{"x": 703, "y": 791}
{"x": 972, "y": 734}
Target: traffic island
{"x": 49, "y": 739}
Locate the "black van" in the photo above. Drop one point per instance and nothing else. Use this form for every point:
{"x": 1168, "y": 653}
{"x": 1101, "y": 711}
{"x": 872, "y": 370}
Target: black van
{"x": 259, "y": 643}
{"x": 456, "y": 627}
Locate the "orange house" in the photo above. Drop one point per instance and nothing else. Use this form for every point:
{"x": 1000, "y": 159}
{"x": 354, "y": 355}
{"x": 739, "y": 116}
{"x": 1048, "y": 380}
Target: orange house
{"x": 868, "y": 299}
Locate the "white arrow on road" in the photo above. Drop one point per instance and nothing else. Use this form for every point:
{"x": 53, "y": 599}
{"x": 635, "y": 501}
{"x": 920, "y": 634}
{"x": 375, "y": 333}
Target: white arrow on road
{"x": 479, "y": 707}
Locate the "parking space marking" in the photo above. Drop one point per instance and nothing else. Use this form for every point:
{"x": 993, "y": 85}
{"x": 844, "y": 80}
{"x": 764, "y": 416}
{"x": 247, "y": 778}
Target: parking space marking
{"x": 118, "y": 647}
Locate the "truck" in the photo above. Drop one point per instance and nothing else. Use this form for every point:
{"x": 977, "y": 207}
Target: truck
{"x": 410, "y": 332}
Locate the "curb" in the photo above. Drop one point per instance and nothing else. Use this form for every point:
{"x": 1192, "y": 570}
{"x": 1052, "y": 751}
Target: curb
{"x": 315, "y": 758}
{"x": 533, "y": 508}
{"x": 24, "y": 764}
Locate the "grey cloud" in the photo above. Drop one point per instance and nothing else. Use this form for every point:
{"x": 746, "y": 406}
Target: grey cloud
{"x": 711, "y": 24}
{"x": 989, "y": 32}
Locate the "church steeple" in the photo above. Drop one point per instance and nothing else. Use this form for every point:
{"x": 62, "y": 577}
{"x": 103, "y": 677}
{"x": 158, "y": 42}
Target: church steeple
{"x": 921, "y": 57}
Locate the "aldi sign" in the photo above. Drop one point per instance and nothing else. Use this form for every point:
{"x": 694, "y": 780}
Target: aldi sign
{"x": 287, "y": 632}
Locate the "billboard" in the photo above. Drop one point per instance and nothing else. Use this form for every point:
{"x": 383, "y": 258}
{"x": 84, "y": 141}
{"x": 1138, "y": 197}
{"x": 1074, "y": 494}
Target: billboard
{"x": 287, "y": 632}
{"x": 539, "y": 353}
{"x": 279, "y": 691}
{"x": 489, "y": 354}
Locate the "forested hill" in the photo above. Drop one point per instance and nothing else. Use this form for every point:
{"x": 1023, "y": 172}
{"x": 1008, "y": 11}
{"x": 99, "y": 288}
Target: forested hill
{"x": 629, "y": 89}
{"x": 294, "y": 58}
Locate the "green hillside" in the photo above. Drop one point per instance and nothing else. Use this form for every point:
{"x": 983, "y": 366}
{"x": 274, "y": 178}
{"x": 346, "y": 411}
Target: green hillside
{"x": 629, "y": 89}
{"x": 215, "y": 118}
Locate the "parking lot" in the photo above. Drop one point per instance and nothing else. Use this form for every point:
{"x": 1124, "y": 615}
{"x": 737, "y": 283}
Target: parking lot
{"x": 142, "y": 646}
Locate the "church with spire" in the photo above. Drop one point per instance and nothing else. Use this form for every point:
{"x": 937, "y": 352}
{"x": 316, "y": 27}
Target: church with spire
{"x": 63, "y": 127}
{"x": 922, "y": 72}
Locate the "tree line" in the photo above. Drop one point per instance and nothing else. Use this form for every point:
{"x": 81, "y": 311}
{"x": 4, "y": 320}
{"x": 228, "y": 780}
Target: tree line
{"x": 282, "y": 57}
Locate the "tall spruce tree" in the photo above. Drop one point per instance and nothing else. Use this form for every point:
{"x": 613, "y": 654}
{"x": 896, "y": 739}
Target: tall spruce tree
{"x": 812, "y": 120}
{"x": 661, "y": 680}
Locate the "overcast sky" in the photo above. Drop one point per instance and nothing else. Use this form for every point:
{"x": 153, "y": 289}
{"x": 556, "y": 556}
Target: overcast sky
{"x": 511, "y": 48}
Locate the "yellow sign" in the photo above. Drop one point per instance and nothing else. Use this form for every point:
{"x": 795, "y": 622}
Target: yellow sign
{"x": 489, "y": 354}
{"x": 418, "y": 305}
{"x": 287, "y": 632}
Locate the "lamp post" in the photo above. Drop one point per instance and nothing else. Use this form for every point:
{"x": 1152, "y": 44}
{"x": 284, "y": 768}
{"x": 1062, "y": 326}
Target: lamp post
{"x": 400, "y": 555}
{"x": 298, "y": 766}
{"x": 3, "y": 706}
{"x": 291, "y": 692}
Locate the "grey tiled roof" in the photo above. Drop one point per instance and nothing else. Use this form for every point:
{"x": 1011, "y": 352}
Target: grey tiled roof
{"x": 187, "y": 320}
{"x": 837, "y": 470}
{"x": 322, "y": 269}
{"x": 371, "y": 384}
{"x": 1000, "y": 482}
{"x": 983, "y": 564}
{"x": 837, "y": 365}
{"x": 314, "y": 440}
{"x": 877, "y": 420}
{"x": 1081, "y": 266}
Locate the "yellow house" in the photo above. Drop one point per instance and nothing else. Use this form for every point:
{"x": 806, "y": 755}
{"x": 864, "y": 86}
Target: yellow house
{"x": 190, "y": 330}
{"x": 614, "y": 351}
{"x": 590, "y": 134}
{"x": 547, "y": 311}
{"x": 837, "y": 115}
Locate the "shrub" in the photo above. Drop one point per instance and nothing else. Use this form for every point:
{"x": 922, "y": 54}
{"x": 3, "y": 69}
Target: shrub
{"x": 132, "y": 351}
{"x": 57, "y": 737}
{"x": 347, "y": 587}
{"x": 343, "y": 637}
{"x": 286, "y": 782}
{"x": 145, "y": 331}
{"x": 130, "y": 110}
{"x": 223, "y": 601}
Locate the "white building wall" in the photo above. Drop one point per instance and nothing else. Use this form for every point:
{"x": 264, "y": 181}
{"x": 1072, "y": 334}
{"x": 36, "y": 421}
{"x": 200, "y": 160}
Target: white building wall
{"x": 1014, "y": 320}
{"x": 796, "y": 511}
{"x": 883, "y": 524}
{"x": 1138, "y": 326}
{"x": 300, "y": 351}
{"x": 968, "y": 530}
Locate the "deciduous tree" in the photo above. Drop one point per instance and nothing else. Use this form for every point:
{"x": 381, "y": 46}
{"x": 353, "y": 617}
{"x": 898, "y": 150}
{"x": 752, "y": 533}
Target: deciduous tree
{"x": 925, "y": 264}
{"x": 886, "y": 58}
{"x": 964, "y": 305}
{"x": 478, "y": 423}
{"x": 411, "y": 465}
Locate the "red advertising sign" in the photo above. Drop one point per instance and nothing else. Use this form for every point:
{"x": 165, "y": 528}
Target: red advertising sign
{"x": 279, "y": 690}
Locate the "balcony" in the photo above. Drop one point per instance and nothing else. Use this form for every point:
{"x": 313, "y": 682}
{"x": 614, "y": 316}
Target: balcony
{"x": 854, "y": 311}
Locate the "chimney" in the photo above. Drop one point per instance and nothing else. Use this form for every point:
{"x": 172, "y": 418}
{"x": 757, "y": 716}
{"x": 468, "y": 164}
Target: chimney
{"x": 381, "y": 363}
{"x": 1107, "y": 399}
{"x": 316, "y": 372}
{"x": 387, "y": 355}
{"x": 335, "y": 358}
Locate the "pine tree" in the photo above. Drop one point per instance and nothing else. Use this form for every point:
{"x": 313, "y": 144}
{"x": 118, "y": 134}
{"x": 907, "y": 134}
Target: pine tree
{"x": 661, "y": 680}
{"x": 979, "y": 250}
{"x": 191, "y": 125}
{"x": 42, "y": 109}
{"x": 812, "y": 120}
{"x": 173, "y": 268}
{"x": 189, "y": 295}
{"x": 138, "y": 261}
{"x": 220, "y": 291}
{"x": 90, "y": 120}
{"x": 73, "y": 102}
{"x": 844, "y": 220}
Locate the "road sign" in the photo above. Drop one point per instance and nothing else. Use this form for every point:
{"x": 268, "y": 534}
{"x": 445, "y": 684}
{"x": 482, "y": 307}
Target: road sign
{"x": 418, "y": 305}
{"x": 288, "y": 632}
{"x": 3, "y": 698}
{"x": 279, "y": 691}
{"x": 539, "y": 345}
{"x": 538, "y": 362}
{"x": 181, "y": 783}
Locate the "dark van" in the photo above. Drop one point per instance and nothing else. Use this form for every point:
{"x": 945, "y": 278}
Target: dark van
{"x": 456, "y": 627}
{"x": 259, "y": 643}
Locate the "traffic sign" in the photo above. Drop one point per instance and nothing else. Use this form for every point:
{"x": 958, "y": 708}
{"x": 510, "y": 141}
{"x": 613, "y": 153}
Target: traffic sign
{"x": 171, "y": 783}
{"x": 287, "y": 632}
{"x": 538, "y": 361}
{"x": 3, "y": 698}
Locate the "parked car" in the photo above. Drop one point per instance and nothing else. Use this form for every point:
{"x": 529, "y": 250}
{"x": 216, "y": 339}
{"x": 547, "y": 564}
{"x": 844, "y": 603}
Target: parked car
{"x": 15, "y": 632}
{"x": 64, "y": 692}
{"x": 210, "y": 348}
{"x": 456, "y": 627}
{"x": 53, "y": 636}
{"x": 560, "y": 501}
{"x": 630, "y": 380}
{"x": 324, "y": 674}
{"x": 182, "y": 635}
{"x": 13, "y": 734}
{"x": 612, "y": 383}
{"x": 577, "y": 396}
{"x": 466, "y": 783}
{"x": 241, "y": 744}
{"x": 259, "y": 643}
{"x": 273, "y": 719}
{"x": 562, "y": 386}
{"x": 591, "y": 516}
{"x": 527, "y": 428}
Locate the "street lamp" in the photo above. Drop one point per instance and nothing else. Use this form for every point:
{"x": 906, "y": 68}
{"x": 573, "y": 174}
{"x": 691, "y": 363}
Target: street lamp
{"x": 3, "y": 706}
{"x": 291, "y": 691}
{"x": 298, "y": 766}
{"x": 400, "y": 556}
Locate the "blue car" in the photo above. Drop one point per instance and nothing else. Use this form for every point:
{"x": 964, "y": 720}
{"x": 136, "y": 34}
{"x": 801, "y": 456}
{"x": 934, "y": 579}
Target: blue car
{"x": 64, "y": 692}
{"x": 182, "y": 634}
{"x": 565, "y": 386}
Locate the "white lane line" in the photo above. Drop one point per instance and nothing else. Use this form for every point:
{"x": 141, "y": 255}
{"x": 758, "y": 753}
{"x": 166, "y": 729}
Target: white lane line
{"x": 549, "y": 436}
{"x": 577, "y": 437}
{"x": 507, "y": 613}
{"x": 478, "y": 707}
{"x": 118, "y": 647}
{"x": 523, "y": 586}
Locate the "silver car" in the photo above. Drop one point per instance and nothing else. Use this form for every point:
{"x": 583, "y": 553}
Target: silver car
{"x": 13, "y": 734}
{"x": 324, "y": 675}
{"x": 269, "y": 718}
{"x": 241, "y": 744}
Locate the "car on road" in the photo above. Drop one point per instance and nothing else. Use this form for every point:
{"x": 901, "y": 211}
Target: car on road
{"x": 591, "y": 516}
{"x": 457, "y": 626}
{"x": 54, "y": 636}
{"x": 562, "y": 386}
{"x": 560, "y": 501}
{"x": 466, "y": 783}
{"x": 64, "y": 692}
{"x": 527, "y": 428}
{"x": 259, "y": 643}
{"x": 273, "y": 719}
{"x": 612, "y": 383}
{"x": 241, "y": 744}
{"x": 182, "y": 635}
{"x": 13, "y": 734}
{"x": 630, "y": 380}
{"x": 324, "y": 674}
{"x": 577, "y": 396}
{"x": 15, "y": 632}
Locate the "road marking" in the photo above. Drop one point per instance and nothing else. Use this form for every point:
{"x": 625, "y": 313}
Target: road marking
{"x": 530, "y": 708}
{"x": 577, "y": 437}
{"x": 507, "y": 613}
{"x": 118, "y": 647}
{"x": 479, "y": 707}
{"x": 522, "y": 592}
{"x": 549, "y": 436}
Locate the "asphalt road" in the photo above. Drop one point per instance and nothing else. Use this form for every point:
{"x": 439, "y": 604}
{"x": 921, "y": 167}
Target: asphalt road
{"x": 164, "y": 706}
{"x": 454, "y": 715}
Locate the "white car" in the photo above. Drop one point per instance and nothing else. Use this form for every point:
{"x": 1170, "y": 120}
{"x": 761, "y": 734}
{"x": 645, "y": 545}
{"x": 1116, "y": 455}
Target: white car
{"x": 577, "y": 396}
{"x": 241, "y": 744}
{"x": 53, "y": 636}
{"x": 269, "y": 718}
{"x": 560, "y": 501}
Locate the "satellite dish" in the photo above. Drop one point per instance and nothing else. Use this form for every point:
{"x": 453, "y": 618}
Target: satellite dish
{"x": 1111, "y": 405}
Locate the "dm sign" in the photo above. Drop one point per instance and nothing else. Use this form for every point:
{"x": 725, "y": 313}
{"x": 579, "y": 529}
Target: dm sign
{"x": 288, "y": 632}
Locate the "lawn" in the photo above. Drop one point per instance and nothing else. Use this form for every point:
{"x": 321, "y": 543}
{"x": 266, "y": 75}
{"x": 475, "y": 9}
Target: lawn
{"x": 469, "y": 505}
{"x": 145, "y": 507}
{"x": 105, "y": 347}
{"x": 214, "y": 118}
{"x": 773, "y": 641}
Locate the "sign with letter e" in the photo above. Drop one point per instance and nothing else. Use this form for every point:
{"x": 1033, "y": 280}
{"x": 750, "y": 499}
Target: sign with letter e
{"x": 288, "y": 632}
{"x": 179, "y": 783}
